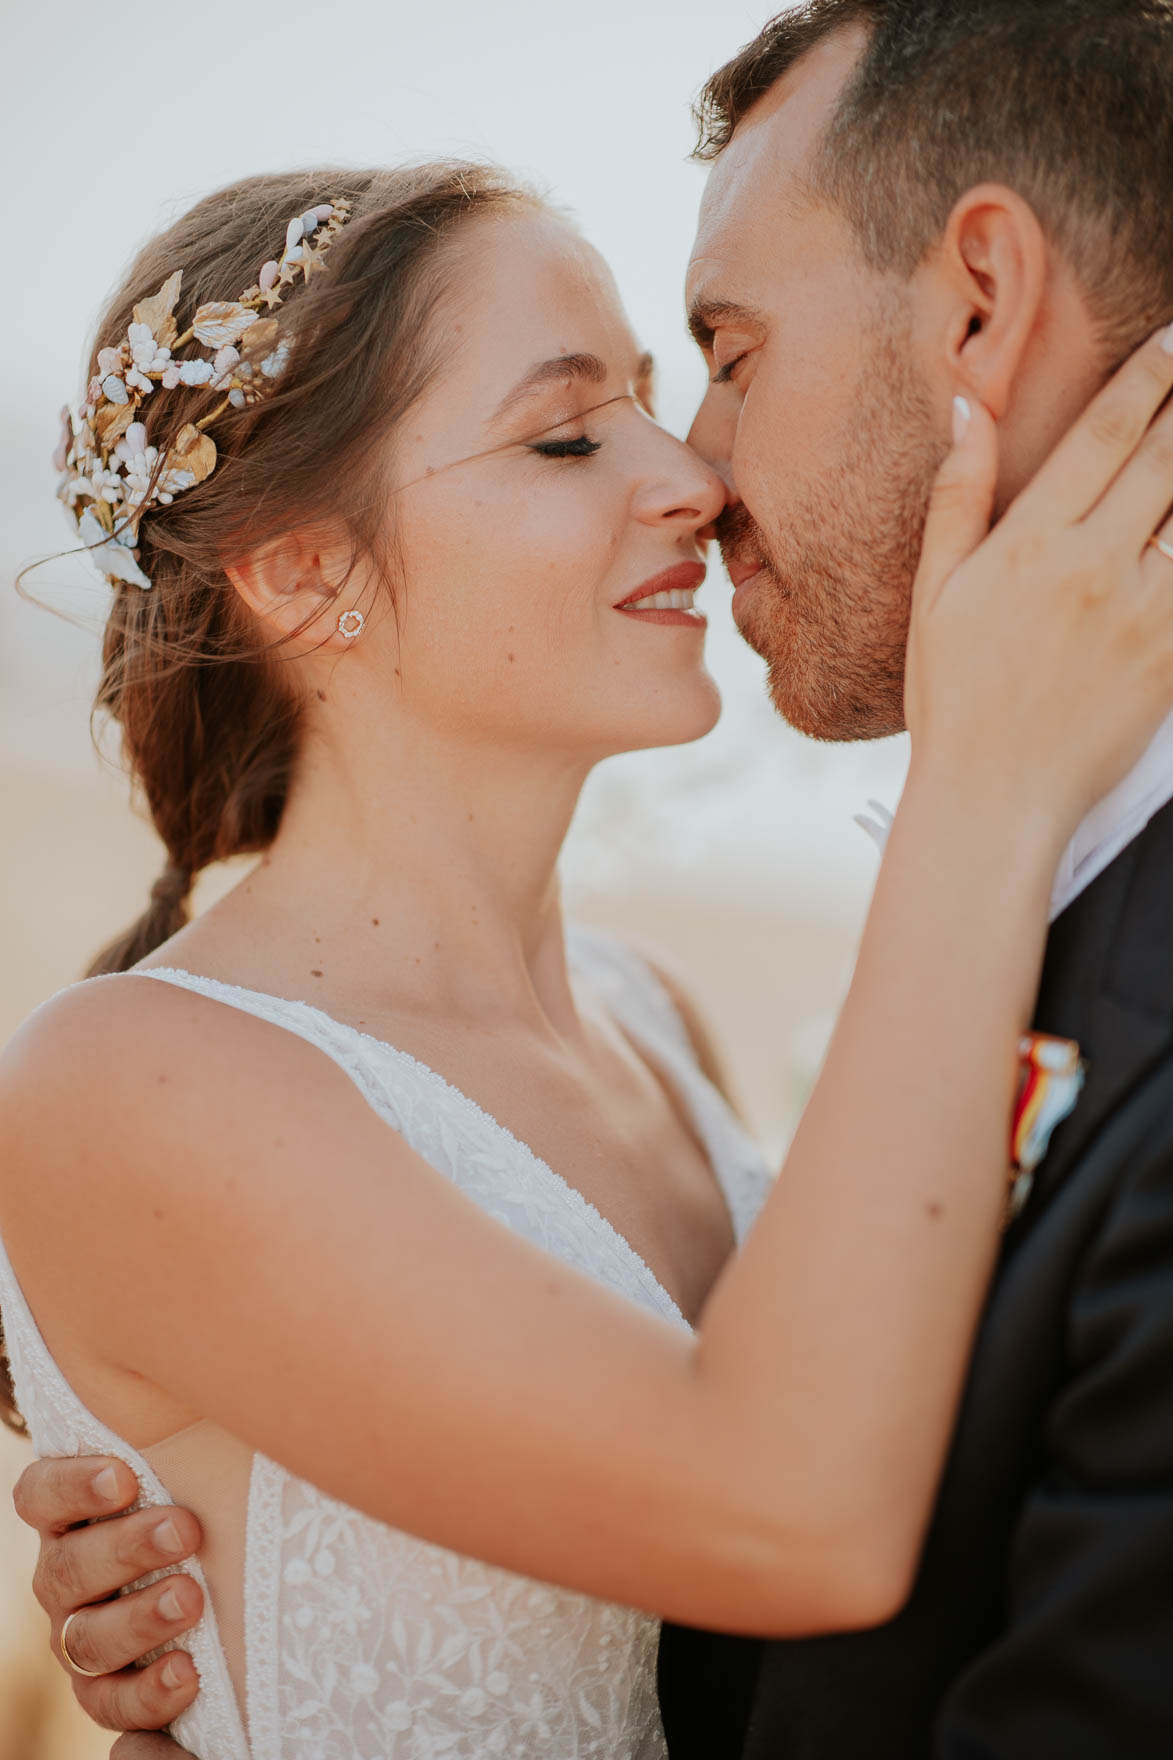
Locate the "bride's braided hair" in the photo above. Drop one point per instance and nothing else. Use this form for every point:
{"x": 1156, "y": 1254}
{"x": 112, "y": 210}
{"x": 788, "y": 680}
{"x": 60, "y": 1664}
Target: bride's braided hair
{"x": 210, "y": 722}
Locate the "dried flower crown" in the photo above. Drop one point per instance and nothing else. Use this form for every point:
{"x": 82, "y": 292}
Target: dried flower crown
{"x": 111, "y": 475}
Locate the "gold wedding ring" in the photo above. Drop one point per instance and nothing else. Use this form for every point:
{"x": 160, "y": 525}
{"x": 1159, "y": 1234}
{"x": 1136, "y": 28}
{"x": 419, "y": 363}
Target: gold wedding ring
{"x": 91, "y": 1674}
{"x": 1165, "y": 549}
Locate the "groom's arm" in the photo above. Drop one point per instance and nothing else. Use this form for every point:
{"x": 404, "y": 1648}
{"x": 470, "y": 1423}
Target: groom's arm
{"x": 1084, "y": 1666}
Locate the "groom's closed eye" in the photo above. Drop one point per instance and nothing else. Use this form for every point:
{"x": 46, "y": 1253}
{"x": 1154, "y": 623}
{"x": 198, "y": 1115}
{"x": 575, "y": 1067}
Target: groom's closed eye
{"x": 706, "y": 316}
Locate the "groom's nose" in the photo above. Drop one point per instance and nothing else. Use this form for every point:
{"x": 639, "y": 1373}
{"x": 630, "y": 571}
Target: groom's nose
{"x": 712, "y": 434}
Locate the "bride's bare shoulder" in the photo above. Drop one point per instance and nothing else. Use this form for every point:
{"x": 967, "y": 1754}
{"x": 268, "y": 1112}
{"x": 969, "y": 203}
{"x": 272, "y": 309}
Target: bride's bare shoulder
{"x": 130, "y": 1051}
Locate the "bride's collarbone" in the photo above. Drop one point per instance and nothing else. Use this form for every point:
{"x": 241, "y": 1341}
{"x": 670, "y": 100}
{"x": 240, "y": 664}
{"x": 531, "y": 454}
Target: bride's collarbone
{"x": 591, "y": 1107}
{"x": 601, "y": 1118}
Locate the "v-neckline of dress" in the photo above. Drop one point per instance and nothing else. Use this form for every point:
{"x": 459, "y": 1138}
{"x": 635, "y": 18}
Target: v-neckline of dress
{"x": 656, "y": 1057}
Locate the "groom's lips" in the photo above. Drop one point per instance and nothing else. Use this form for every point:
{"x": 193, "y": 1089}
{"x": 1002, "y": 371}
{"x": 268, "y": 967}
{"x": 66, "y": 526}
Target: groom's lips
{"x": 742, "y": 568}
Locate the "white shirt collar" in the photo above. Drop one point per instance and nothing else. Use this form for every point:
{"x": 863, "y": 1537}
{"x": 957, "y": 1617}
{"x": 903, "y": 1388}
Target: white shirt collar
{"x": 1120, "y": 817}
{"x": 1109, "y": 828}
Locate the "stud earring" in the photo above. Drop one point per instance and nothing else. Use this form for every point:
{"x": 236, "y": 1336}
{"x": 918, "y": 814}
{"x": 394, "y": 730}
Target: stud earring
{"x": 350, "y": 624}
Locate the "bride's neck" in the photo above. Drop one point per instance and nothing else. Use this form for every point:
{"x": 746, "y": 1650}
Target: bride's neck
{"x": 432, "y": 862}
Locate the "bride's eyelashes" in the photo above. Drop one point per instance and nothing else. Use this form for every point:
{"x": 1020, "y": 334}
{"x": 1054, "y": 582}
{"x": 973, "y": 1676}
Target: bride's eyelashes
{"x": 580, "y": 448}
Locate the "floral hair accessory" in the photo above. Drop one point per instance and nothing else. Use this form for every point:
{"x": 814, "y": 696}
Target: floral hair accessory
{"x": 110, "y": 474}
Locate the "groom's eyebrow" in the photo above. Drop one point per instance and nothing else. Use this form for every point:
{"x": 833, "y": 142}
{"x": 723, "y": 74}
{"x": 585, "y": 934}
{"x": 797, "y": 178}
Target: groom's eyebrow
{"x": 704, "y": 316}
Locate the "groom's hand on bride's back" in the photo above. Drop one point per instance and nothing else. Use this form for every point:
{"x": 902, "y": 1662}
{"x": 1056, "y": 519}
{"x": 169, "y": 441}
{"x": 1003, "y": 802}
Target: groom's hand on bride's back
{"x": 90, "y": 1549}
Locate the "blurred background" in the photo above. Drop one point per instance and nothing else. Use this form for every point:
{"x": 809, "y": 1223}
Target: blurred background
{"x": 738, "y": 856}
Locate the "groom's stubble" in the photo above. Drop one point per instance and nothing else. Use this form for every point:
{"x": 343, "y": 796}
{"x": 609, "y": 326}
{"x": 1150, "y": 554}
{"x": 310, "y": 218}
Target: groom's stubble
{"x": 830, "y": 612}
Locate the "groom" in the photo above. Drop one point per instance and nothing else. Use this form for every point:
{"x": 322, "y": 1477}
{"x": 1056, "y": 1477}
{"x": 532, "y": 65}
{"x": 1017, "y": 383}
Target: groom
{"x": 912, "y": 200}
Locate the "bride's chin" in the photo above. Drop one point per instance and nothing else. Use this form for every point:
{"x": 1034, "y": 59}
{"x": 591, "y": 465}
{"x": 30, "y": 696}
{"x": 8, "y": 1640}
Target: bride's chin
{"x": 679, "y": 719}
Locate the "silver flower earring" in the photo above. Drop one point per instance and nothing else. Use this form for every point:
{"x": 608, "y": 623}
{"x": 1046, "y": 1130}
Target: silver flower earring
{"x": 350, "y": 624}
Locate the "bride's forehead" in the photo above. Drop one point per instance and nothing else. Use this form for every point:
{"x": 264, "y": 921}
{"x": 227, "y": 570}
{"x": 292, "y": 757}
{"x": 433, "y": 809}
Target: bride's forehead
{"x": 535, "y": 289}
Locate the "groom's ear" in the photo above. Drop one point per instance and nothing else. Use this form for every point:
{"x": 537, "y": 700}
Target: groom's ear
{"x": 994, "y": 261}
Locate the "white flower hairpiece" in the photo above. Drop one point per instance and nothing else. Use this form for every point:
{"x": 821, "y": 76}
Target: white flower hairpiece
{"x": 110, "y": 474}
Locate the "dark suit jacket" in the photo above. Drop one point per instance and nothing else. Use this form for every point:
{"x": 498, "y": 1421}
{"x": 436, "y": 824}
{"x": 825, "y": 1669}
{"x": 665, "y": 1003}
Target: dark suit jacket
{"x": 1041, "y": 1624}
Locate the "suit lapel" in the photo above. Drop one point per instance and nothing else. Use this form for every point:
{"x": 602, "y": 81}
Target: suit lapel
{"x": 1108, "y": 983}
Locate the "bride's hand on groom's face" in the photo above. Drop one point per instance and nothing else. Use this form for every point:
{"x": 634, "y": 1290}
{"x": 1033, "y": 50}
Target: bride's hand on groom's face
{"x": 81, "y": 1566}
{"x": 1040, "y": 659}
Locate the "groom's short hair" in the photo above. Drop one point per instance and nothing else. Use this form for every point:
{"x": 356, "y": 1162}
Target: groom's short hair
{"x": 1069, "y": 102}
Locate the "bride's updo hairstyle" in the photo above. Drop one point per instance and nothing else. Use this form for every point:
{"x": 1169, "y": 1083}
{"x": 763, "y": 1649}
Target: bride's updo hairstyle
{"x": 209, "y": 716}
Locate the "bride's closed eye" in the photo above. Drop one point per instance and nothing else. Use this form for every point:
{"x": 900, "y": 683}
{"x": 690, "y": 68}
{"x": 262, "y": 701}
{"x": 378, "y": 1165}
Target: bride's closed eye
{"x": 580, "y": 448}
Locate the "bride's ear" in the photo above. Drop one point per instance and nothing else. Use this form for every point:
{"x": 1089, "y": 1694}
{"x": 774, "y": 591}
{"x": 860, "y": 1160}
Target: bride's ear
{"x": 293, "y": 586}
{"x": 994, "y": 257}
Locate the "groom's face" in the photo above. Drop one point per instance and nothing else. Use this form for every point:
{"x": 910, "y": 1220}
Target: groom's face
{"x": 820, "y": 419}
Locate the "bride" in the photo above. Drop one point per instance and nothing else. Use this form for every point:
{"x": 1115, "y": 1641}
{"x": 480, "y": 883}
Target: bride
{"x": 377, "y": 1215}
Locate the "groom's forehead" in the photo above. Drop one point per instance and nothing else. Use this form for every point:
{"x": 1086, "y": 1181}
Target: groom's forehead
{"x": 757, "y": 184}
{"x": 749, "y": 212}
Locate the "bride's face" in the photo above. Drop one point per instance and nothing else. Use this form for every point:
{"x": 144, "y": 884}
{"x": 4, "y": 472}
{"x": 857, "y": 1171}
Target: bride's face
{"x": 533, "y": 498}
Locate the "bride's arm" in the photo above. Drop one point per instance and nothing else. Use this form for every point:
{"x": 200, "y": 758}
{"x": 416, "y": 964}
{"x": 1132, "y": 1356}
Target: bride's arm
{"x": 303, "y": 1278}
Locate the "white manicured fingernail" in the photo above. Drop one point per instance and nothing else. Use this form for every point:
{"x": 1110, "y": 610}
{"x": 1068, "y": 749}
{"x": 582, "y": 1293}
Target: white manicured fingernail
{"x": 961, "y": 419}
{"x": 170, "y": 1606}
{"x": 1167, "y": 340}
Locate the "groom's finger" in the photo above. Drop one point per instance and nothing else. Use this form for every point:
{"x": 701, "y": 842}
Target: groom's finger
{"x": 89, "y": 1564}
{"x": 962, "y": 501}
{"x": 55, "y": 1495}
{"x": 103, "y": 1640}
{"x": 1090, "y": 457}
{"x": 140, "y": 1698}
{"x": 144, "y": 1747}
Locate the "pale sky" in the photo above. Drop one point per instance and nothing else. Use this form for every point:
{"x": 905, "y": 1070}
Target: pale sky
{"x": 117, "y": 118}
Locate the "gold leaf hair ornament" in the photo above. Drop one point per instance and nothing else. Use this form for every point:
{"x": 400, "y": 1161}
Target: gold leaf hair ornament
{"x": 110, "y": 475}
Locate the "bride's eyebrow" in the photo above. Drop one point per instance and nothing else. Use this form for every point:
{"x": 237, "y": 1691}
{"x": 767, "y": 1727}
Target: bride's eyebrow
{"x": 563, "y": 369}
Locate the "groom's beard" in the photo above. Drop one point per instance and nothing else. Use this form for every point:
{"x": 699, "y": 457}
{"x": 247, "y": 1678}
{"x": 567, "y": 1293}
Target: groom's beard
{"x": 830, "y": 611}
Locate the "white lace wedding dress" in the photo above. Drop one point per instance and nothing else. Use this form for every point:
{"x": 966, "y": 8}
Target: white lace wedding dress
{"x": 361, "y": 1642}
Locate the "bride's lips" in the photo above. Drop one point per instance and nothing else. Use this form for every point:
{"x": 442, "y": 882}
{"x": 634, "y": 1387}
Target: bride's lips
{"x": 679, "y": 582}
